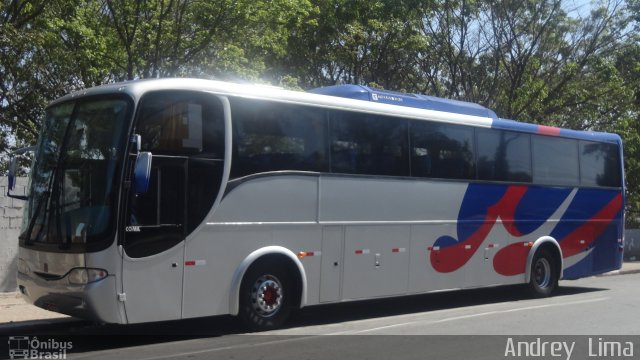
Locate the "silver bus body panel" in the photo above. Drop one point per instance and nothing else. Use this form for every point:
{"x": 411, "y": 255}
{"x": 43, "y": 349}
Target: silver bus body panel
{"x": 153, "y": 285}
{"x": 363, "y": 255}
{"x": 266, "y": 203}
{"x": 222, "y": 253}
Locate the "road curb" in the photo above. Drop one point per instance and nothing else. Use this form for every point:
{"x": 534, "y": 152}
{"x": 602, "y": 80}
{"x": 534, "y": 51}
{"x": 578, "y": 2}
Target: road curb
{"x": 621, "y": 272}
{"x": 18, "y": 327}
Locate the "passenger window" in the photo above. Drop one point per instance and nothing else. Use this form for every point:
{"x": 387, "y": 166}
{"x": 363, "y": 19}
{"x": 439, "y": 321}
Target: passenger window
{"x": 599, "y": 164}
{"x": 555, "y": 161}
{"x": 503, "y": 156}
{"x": 271, "y": 136}
{"x": 368, "y": 144}
{"x": 442, "y": 151}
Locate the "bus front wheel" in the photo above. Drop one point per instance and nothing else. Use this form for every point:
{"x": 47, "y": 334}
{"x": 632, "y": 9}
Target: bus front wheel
{"x": 544, "y": 274}
{"x": 265, "y": 297}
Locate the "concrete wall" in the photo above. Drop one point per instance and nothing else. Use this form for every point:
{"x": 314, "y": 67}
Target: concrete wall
{"x": 632, "y": 245}
{"x": 10, "y": 222}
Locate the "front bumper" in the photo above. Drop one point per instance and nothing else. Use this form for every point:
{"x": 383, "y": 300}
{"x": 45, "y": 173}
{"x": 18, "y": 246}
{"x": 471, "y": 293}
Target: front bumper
{"x": 95, "y": 301}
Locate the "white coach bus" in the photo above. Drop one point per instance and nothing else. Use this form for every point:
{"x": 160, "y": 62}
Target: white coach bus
{"x": 180, "y": 198}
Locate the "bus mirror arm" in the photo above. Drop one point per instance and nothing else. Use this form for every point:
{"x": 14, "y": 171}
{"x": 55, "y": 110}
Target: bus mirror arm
{"x": 11, "y": 176}
{"x": 142, "y": 172}
{"x": 136, "y": 143}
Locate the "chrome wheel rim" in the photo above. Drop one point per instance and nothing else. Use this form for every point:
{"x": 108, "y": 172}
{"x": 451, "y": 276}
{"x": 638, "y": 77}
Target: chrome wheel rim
{"x": 542, "y": 273}
{"x": 267, "y": 295}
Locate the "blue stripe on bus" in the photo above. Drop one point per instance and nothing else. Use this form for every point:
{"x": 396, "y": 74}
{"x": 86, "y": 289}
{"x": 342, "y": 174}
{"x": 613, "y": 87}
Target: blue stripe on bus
{"x": 593, "y": 219}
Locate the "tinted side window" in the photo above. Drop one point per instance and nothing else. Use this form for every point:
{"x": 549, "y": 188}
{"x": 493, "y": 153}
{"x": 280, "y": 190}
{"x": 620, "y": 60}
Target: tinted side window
{"x": 555, "y": 161}
{"x": 185, "y": 132}
{"x": 503, "y": 156}
{"x": 368, "y": 144}
{"x": 272, "y": 136}
{"x": 442, "y": 151}
{"x": 181, "y": 123}
{"x": 599, "y": 164}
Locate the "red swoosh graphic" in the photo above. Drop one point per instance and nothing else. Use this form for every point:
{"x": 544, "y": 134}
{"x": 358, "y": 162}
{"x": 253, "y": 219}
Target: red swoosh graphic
{"x": 455, "y": 256}
{"x": 512, "y": 259}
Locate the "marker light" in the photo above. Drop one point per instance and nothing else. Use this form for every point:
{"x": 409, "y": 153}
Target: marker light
{"x": 83, "y": 276}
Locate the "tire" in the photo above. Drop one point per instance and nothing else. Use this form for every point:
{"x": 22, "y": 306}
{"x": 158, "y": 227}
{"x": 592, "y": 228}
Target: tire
{"x": 266, "y": 297}
{"x": 544, "y": 274}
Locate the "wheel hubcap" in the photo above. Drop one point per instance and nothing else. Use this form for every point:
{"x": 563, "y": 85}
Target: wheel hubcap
{"x": 542, "y": 273}
{"x": 266, "y": 295}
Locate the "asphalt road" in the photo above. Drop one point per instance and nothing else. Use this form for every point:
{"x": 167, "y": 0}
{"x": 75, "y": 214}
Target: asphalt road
{"x": 588, "y": 312}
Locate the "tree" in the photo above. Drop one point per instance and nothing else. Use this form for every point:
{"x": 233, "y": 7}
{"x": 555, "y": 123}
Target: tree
{"x": 219, "y": 38}
{"x": 535, "y": 61}
{"x": 51, "y": 48}
{"x": 362, "y": 42}
{"x": 628, "y": 126}
{"x": 32, "y": 72}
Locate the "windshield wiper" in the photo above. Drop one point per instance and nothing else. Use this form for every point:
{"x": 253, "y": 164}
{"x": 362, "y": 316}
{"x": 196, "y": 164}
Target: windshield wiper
{"x": 55, "y": 207}
{"x": 53, "y": 183}
{"x": 32, "y": 222}
{"x": 42, "y": 201}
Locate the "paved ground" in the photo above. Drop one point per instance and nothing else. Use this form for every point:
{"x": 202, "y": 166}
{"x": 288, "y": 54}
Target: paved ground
{"x": 472, "y": 324}
{"x": 13, "y": 309}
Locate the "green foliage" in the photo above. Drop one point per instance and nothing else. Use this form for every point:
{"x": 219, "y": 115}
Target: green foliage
{"x": 356, "y": 42}
{"x": 536, "y": 61}
{"x": 51, "y": 47}
{"x": 627, "y": 124}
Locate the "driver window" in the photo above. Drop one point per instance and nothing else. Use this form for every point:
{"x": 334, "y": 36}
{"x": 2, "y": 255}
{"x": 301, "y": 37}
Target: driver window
{"x": 179, "y": 123}
{"x": 185, "y": 133}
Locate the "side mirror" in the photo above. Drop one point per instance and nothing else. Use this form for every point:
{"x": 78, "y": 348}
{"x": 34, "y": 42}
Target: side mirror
{"x": 142, "y": 172}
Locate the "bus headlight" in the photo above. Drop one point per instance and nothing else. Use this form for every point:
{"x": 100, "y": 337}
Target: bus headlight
{"x": 83, "y": 276}
{"x": 23, "y": 267}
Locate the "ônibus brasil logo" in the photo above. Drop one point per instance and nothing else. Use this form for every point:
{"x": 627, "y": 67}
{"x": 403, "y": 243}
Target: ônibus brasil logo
{"x": 25, "y": 347}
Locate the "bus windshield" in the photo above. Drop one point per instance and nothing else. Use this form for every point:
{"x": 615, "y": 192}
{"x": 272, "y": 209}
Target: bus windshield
{"x": 73, "y": 182}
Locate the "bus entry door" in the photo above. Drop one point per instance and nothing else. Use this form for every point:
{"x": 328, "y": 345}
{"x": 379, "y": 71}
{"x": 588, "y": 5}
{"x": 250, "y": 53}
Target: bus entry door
{"x": 153, "y": 259}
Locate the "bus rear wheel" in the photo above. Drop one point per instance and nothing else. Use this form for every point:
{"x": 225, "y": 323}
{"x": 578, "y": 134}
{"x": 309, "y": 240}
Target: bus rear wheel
{"x": 544, "y": 274}
{"x": 265, "y": 297}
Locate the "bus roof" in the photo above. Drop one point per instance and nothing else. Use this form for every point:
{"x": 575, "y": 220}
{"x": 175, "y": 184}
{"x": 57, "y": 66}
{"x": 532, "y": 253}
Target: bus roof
{"x": 403, "y": 99}
{"x": 137, "y": 88}
{"x": 350, "y": 97}
{"x": 419, "y": 101}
